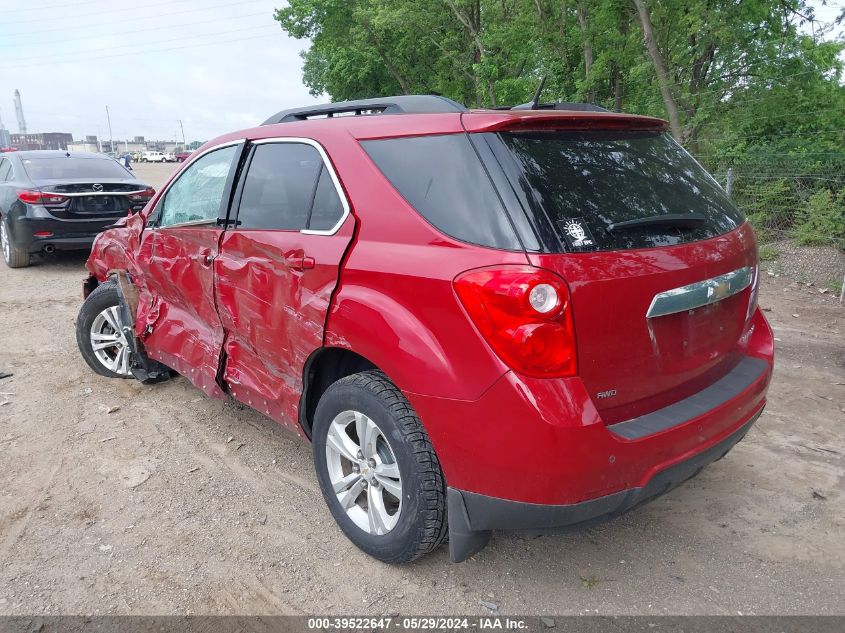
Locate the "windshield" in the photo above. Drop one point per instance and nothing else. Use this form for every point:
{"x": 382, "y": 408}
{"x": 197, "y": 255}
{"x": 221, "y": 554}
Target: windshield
{"x": 582, "y": 183}
{"x": 69, "y": 168}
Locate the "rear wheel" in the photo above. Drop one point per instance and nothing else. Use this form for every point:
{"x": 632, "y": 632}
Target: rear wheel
{"x": 99, "y": 333}
{"x": 13, "y": 256}
{"x": 377, "y": 469}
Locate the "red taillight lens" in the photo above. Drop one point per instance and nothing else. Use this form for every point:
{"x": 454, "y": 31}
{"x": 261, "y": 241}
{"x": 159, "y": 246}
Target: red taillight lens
{"x": 33, "y": 196}
{"x": 142, "y": 196}
{"x": 530, "y": 331}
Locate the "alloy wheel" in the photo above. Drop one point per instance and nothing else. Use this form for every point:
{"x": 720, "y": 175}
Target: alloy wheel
{"x": 4, "y": 242}
{"x": 363, "y": 472}
{"x": 108, "y": 341}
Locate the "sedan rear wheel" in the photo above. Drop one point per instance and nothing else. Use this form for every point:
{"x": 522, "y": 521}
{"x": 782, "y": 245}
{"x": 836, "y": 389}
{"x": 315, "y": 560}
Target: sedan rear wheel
{"x": 14, "y": 257}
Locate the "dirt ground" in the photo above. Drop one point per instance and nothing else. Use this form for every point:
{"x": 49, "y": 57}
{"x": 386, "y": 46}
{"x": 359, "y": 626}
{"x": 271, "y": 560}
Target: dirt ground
{"x": 121, "y": 498}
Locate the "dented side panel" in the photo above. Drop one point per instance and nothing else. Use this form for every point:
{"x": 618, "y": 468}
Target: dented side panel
{"x": 177, "y": 316}
{"x": 116, "y": 248}
{"x": 274, "y": 289}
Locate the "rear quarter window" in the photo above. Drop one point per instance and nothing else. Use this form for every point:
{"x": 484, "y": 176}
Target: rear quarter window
{"x": 444, "y": 180}
{"x": 582, "y": 183}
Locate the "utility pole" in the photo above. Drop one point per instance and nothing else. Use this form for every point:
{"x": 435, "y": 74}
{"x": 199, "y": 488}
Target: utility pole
{"x": 184, "y": 142}
{"x": 111, "y": 138}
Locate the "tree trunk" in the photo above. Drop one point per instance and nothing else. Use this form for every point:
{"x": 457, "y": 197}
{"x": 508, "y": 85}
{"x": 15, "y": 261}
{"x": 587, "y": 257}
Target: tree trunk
{"x": 588, "y": 49}
{"x": 617, "y": 88}
{"x": 660, "y": 69}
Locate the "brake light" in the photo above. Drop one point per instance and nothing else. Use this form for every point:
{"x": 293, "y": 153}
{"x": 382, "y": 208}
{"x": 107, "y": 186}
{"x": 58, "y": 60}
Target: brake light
{"x": 525, "y": 315}
{"x": 752, "y": 294}
{"x": 33, "y": 196}
{"x": 143, "y": 196}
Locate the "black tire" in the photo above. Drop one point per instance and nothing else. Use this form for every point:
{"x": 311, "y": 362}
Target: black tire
{"x": 422, "y": 522}
{"x": 104, "y": 296}
{"x": 13, "y": 256}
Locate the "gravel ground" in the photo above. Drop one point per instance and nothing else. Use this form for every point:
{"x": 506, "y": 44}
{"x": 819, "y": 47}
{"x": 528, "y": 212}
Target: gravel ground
{"x": 824, "y": 266}
{"x": 121, "y": 498}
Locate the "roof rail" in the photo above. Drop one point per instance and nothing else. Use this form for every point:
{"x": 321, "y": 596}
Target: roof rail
{"x": 403, "y": 104}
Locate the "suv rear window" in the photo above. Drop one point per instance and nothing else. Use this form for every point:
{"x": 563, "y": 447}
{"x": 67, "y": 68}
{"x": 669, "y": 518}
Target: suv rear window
{"x": 65, "y": 168}
{"x": 581, "y": 183}
{"x": 444, "y": 180}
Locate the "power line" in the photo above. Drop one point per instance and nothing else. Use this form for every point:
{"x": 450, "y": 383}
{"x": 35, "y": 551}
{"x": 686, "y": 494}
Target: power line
{"x": 106, "y": 25}
{"x": 51, "y": 6}
{"x": 788, "y": 135}
{"x": 152, "y": 28}
{"x": 160, "y": 50}
{"x": 120, "y": 11}
{"x": 135, "y": 48}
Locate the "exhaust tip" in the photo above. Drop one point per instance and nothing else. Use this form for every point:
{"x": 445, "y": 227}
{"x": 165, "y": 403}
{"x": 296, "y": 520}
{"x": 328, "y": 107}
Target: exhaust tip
{"x": 49, "y": 249}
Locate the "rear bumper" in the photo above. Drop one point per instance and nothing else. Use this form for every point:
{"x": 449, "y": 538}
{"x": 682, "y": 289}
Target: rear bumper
{"x": 64, "y": 235}
{"x": 534, "y": 453}
{"x": 473, "y": 516}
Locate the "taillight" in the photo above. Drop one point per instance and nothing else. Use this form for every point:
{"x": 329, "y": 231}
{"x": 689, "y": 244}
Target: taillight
{"x": 33, "y": 196}
{"x": 752, "y": 294}
{"x": 142, "y": 196}
{"x": 525, "y": 315}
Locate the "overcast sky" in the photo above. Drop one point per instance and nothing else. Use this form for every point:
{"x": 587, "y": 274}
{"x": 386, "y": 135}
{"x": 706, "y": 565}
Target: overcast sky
{"x": 218, "y": 67}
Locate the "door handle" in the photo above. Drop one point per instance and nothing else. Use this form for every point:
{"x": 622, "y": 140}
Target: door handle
{"x": 299, "y": 262}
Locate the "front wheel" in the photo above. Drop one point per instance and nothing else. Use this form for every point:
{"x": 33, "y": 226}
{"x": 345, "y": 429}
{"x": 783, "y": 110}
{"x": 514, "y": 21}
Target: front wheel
{"x": 377, "y": 469}
{"x": 99, "y": 333}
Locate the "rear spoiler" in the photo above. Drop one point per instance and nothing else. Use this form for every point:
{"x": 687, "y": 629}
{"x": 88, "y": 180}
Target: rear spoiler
{"x": 539, "y": 120}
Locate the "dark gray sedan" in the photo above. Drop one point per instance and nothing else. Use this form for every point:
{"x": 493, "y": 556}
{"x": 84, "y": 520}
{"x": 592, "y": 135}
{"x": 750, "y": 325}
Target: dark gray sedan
{"x": 54, "y": 200}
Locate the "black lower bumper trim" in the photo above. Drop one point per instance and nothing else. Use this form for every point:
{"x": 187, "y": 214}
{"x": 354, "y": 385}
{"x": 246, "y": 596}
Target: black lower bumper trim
{"x": 473, "y": 516}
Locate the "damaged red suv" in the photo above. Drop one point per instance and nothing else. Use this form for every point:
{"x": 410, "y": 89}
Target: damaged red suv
{"x": 482, "y": 320}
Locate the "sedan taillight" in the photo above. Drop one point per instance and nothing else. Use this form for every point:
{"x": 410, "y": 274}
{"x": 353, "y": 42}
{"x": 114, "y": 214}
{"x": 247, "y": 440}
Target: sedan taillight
{"x": 33, "y": 196}
{"x": 142, "y": 196}
{"x": 525, "y": 315}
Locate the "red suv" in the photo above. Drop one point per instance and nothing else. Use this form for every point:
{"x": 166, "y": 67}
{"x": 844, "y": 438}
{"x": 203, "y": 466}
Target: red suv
{"x": 482, "y": 319}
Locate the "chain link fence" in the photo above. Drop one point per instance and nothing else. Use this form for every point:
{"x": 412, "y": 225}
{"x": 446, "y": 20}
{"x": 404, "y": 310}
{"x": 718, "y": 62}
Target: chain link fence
{"x": 796, "y": 204}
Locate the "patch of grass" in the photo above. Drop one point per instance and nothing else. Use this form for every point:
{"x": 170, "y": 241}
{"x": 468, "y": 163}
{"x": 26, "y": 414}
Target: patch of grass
{"x": 768, "y": 253}
{"x": 589, "y": 581}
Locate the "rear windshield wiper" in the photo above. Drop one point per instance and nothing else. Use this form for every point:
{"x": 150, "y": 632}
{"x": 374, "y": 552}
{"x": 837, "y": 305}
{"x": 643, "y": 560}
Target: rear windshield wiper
{"x": 680, "y": 220}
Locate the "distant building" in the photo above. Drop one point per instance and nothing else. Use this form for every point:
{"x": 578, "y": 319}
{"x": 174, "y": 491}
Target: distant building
{"x": 5, "y": 138}
{"x": 137, "y": 145}
{"x": 43, "y": 140}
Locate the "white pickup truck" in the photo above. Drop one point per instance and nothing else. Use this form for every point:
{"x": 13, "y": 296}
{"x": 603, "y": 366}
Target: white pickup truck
{"x": 157, "y": 157}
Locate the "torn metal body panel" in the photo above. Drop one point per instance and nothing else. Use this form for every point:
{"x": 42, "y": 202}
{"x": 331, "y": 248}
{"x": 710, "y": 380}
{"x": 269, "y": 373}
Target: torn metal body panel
{"x": 142, "y": 367}
{"x": 179, "y": 323}
{"x": 273, "y": 310}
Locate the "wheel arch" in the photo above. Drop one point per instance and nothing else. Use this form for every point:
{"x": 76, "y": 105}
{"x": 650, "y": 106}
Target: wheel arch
{"x": 324, "y": 367}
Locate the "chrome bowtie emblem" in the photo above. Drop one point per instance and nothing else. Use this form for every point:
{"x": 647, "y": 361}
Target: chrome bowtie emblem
{"x": 718, "y": 290}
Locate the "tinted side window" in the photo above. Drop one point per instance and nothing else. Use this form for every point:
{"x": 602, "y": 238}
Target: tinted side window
{"x": 198, "y": 193}
{"x": 279, "y": 187}
{"x": 327, "y": 208}
{"x": 443, "y": 179}
{"x": 5, "y": 169}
